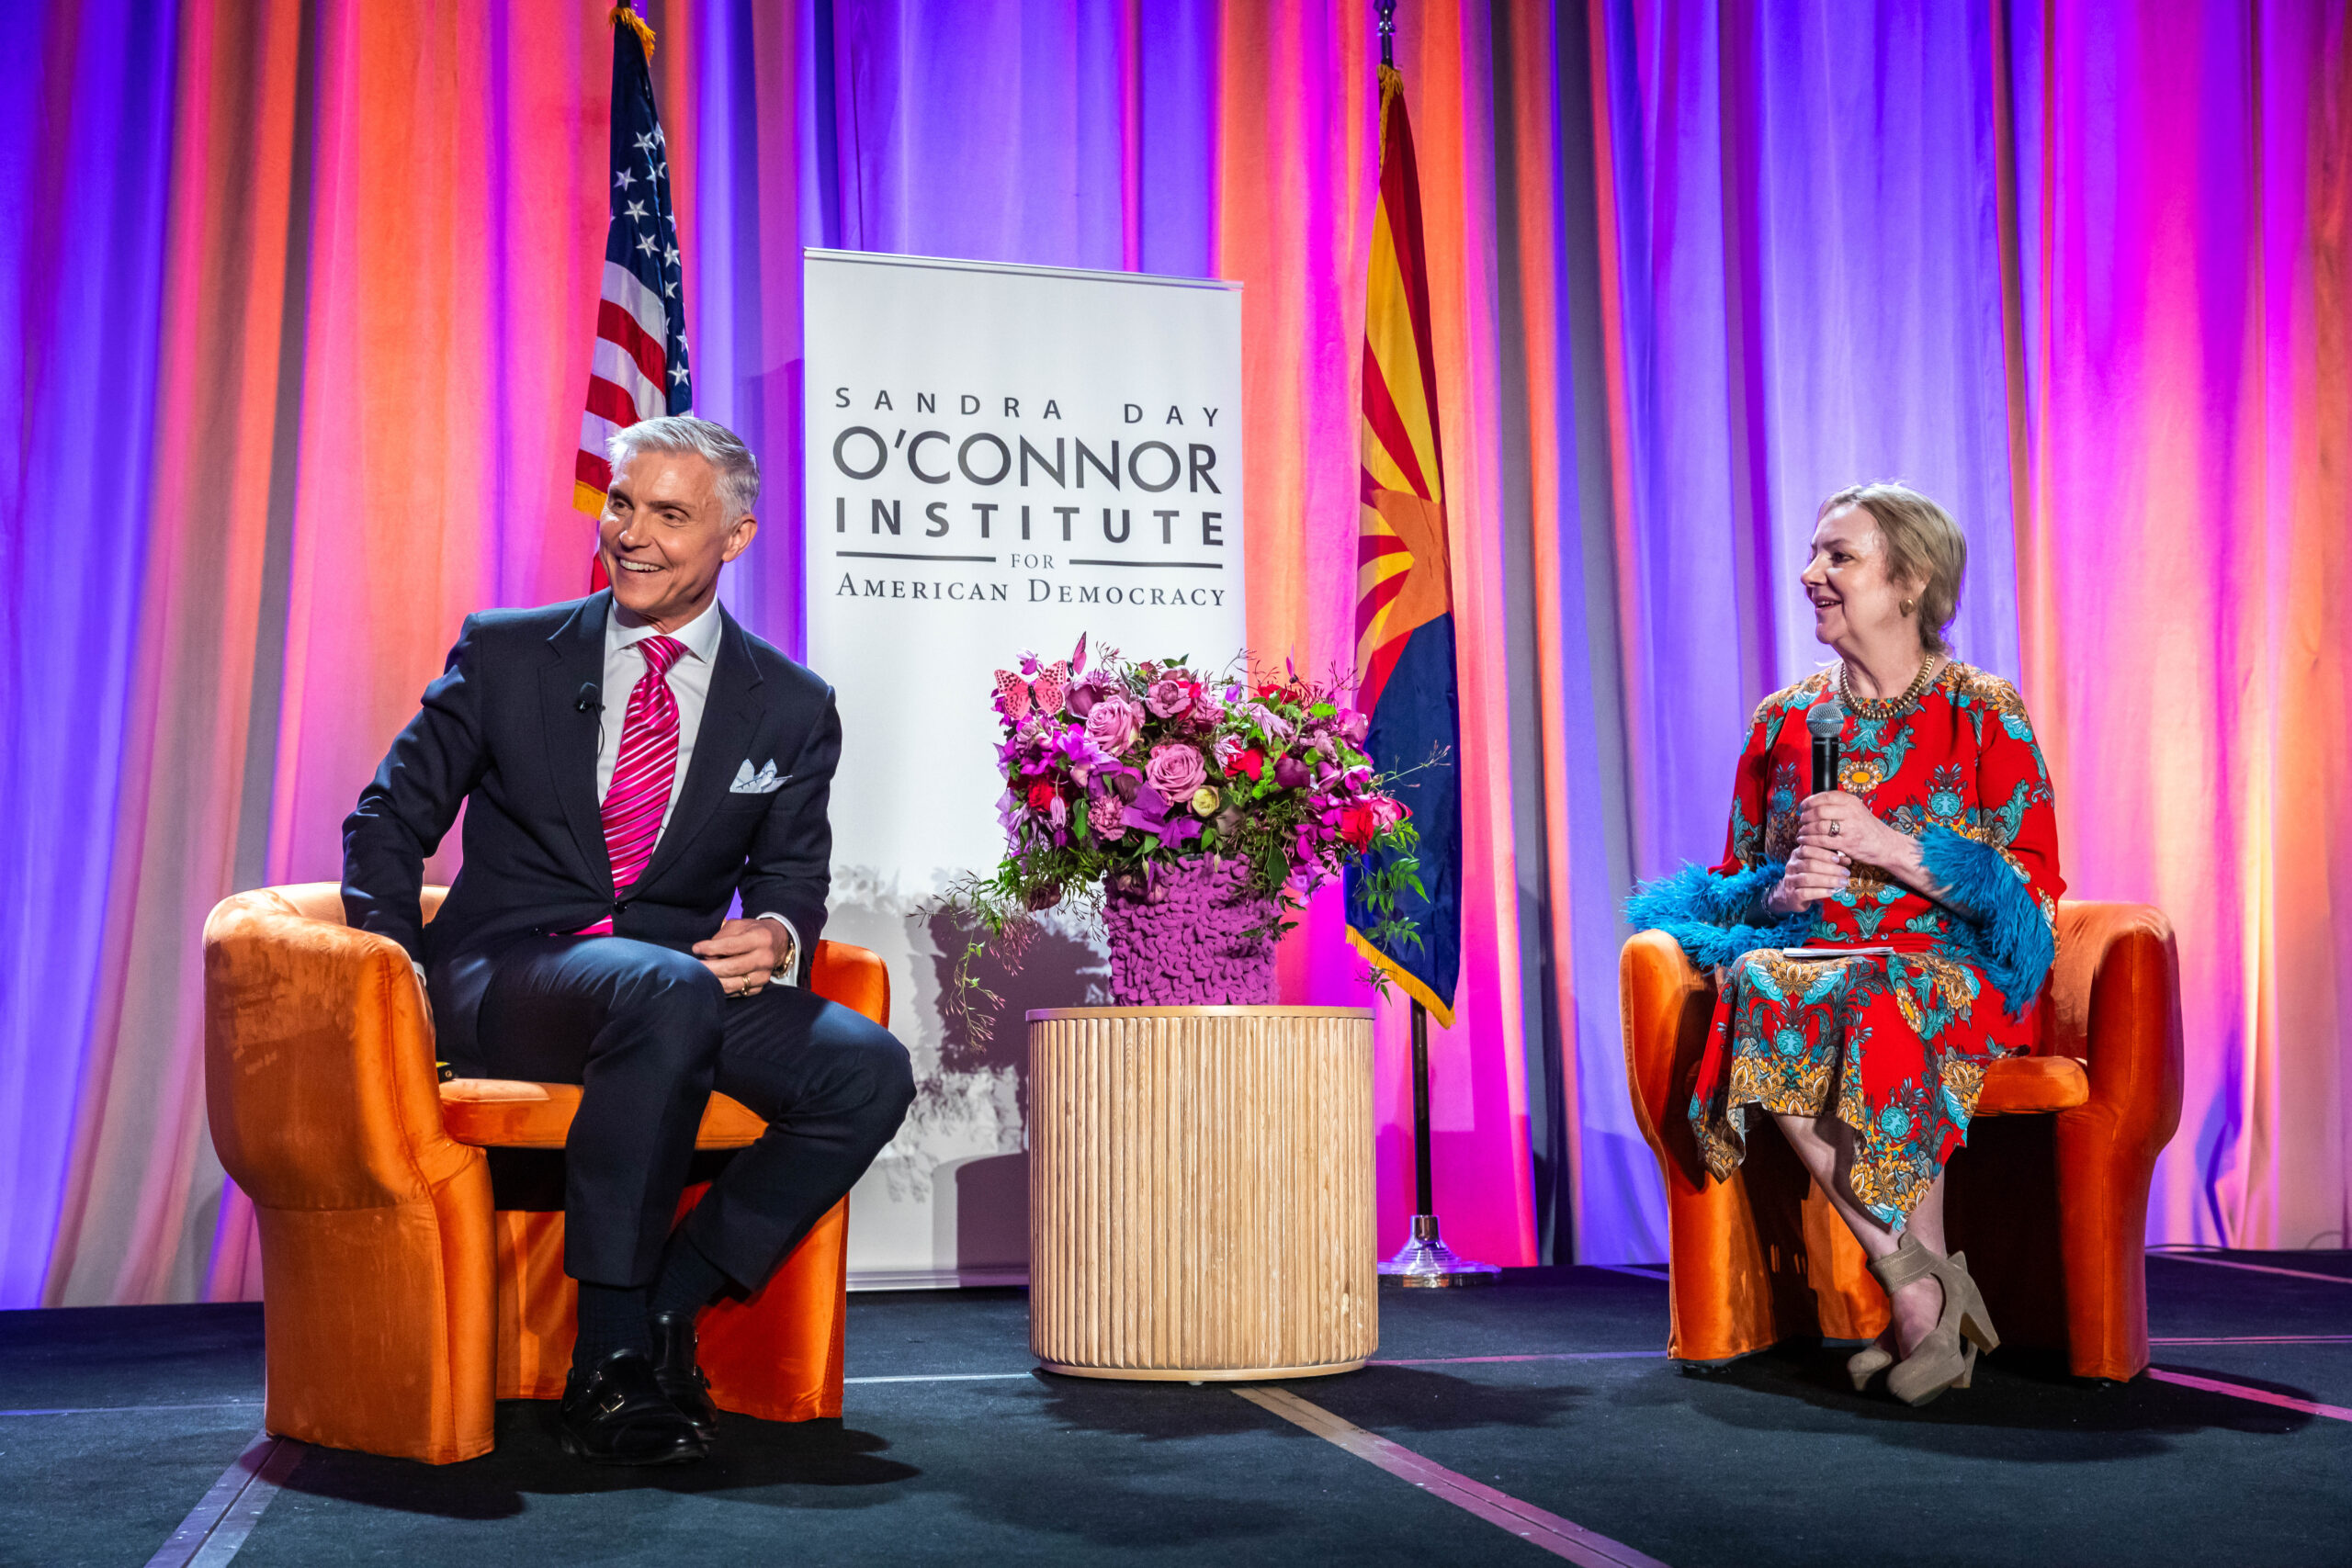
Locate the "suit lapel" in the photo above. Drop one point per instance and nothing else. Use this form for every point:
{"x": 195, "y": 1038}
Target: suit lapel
{"x": 576, "y": 659}
{"x": 730, "y": 719}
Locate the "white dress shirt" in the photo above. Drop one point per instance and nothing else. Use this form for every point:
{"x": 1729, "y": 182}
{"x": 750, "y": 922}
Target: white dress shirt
{"x": 689, "y": 688}
{"x": 689, "y": 683}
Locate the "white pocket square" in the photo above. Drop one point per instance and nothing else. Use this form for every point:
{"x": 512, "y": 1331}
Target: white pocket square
{"x": 767, "y": 781}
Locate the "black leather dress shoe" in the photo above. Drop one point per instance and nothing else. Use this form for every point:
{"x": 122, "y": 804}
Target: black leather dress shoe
{"x": 615, "y": 1413}
{"x": 678, "y": 1373}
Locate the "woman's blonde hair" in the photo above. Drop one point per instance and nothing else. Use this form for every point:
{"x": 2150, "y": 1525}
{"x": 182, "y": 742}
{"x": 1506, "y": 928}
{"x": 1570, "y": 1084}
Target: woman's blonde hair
{"x": 1923, "y": 546}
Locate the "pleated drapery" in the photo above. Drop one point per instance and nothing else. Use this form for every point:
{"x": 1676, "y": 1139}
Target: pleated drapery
{"x": 297, "y": 300}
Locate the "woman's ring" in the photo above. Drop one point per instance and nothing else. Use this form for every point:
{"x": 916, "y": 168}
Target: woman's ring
{"x": 1834, "y": 827}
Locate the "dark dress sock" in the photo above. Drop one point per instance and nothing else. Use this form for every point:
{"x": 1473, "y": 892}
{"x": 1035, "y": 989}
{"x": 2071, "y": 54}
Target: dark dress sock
{"x": 688, "y": 1281}
{"x": 611, "y": 1318}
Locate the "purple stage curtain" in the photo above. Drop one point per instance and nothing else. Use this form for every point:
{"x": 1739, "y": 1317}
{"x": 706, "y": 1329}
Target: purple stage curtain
{"x": 298, "y": 304}
{"x": 85, "y": 154}
{"x": 1809, "y": 283}
{"x": 2184, "y": 203}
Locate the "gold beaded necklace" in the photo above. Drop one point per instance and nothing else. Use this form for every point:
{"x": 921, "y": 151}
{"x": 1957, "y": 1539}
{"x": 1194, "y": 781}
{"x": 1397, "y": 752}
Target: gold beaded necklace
{"x": 1885, "y": 707}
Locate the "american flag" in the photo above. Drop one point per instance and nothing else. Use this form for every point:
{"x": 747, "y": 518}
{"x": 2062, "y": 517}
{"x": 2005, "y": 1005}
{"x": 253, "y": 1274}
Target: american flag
{"x": 640, "y": 369}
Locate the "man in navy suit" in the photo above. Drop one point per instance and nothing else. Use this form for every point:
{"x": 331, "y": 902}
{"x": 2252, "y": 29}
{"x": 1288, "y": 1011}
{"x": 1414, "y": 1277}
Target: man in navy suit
{"x": 631, "y": 765}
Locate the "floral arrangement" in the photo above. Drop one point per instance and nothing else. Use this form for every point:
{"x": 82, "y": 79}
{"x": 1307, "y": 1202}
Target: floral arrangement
{"x": 1115, "y": 774}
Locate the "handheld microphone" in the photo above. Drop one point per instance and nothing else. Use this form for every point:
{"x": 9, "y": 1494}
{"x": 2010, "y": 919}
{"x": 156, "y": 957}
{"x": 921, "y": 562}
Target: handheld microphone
{"x": 1827, "y": 722}
{"x": 590, "y": 700}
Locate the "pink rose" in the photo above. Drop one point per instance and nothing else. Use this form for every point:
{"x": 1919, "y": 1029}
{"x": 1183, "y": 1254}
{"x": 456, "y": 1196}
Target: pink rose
{"x": 1175, "y": 771}
{"x": 1113, "y": 723}
{"x": 1169, "y": 696}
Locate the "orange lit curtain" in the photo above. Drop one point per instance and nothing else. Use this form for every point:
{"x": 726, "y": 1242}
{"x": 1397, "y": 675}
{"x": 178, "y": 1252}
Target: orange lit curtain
{"x": 2184, "y": 260}
{"x": 328, "y": 407}
{"x": 2078, "y": 269}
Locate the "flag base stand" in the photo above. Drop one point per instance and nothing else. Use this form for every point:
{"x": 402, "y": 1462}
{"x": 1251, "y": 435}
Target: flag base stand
{"x": 1426, "y": 1263}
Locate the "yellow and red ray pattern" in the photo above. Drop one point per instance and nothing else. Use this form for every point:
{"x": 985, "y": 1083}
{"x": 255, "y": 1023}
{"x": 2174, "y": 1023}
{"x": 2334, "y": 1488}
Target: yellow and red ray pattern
{"x": 1401, "y": 568}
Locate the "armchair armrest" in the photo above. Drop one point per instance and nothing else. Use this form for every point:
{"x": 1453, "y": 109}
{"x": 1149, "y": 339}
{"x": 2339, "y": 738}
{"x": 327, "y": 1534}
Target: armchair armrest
{"x": 2115, "y": 995}
{"x": 376, "y": 1255}
{"x": 1665, "y": 1005}
{"x": 319, "y": 1072}
{"x": 853, "y": 977}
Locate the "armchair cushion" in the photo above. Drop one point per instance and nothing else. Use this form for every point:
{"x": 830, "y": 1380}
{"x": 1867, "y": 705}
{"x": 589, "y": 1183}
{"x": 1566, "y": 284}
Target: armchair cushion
{"x": 2016, "y": 1085}
{"x": 507, "y": 1113}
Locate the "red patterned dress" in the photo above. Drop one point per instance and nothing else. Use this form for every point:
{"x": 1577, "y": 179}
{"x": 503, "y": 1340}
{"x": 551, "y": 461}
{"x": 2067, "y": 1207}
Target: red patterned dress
{"x": 1895, "y": 1045}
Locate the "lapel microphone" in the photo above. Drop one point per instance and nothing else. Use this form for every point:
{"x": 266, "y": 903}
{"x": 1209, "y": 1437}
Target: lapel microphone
{"x": 590, "y": 700}
{"x": 1826, "y": 721}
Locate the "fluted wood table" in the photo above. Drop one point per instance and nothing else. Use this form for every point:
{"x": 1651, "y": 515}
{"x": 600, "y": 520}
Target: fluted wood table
{"x": 1201, "y": 1191}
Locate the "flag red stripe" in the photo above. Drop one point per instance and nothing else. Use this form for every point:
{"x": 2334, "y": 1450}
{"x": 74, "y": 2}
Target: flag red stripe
{"x": 1377, "y": 599}
{"x": 606, "y": 401}
{"x": 617, "y": 326}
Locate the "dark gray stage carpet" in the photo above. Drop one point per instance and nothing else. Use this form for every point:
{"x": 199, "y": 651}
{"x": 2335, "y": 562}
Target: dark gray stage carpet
{"x": 115, "y": 1423}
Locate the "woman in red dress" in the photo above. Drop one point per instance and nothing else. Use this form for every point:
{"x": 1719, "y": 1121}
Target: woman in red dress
{"x": 1936, "y": 858}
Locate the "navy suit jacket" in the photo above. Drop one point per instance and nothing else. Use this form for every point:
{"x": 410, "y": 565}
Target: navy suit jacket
{"x": 504, "y": 732}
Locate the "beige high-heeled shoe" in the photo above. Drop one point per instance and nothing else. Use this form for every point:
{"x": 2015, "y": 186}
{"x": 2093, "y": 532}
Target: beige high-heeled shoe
{"x": 1869, "y": 1362}
{"x": 1947, "y": 1357}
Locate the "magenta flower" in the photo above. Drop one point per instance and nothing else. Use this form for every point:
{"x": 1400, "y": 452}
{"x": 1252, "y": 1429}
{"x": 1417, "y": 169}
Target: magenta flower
{"x": 1353, "y": 727}
{"x": 1290, "y": 774}
{"x": 1169, "y": 696}
{"x": 1113, "y": 723}
{"x": 1107, "y": 814}
{"x": 1073, "y": 751}
{"x": 1176, "y": 770}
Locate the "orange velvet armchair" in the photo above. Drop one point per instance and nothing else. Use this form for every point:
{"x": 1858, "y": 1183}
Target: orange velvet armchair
{"x": 401, "y": 1304}
{"x": 2049, "y": 1199}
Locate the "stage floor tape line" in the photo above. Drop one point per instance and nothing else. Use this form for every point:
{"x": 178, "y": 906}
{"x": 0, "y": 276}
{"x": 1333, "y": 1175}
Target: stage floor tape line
{"x": 215, "y": 1528}
{"x": 2254, "y": 1268}
{"x": 1561, "y": 1538}
{"x": 2257, "y": 1395}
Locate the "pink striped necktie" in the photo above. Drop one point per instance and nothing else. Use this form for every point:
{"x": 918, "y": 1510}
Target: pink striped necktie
{"x": 643, "y": 773}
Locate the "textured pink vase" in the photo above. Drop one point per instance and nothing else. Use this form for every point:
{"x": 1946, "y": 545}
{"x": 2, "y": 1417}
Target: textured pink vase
{"x": 1184, "y": 943}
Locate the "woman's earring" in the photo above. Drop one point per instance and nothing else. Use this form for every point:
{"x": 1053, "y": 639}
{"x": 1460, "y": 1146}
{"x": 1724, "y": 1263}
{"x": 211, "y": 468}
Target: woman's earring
{"x": 1908, "y": 605}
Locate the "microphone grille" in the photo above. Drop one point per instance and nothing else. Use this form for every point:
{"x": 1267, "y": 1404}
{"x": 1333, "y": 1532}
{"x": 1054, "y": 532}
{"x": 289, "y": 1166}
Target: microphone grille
{"x": 1826, "y": 721}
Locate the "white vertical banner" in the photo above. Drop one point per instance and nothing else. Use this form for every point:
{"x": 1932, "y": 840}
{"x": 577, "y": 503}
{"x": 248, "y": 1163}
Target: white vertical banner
{"x": 1001, "y": 459}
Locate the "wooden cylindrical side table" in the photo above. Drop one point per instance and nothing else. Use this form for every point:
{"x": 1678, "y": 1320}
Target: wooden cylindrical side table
{"x": 1201, "y": 1191}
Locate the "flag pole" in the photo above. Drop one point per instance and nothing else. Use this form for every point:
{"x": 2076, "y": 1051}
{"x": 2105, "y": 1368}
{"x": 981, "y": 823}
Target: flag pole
{"x": 1424, "y": 1262}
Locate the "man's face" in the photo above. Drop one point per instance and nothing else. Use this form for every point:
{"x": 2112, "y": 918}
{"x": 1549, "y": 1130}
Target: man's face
{"x": 665, "y": 534}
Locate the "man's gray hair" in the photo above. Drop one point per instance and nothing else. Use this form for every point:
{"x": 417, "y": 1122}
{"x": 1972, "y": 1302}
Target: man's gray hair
{"x": 739, "y": 471}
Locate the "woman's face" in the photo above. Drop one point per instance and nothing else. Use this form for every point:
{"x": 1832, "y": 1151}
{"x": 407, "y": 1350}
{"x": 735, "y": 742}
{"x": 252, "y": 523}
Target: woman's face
{"x": 1854, "y": 604}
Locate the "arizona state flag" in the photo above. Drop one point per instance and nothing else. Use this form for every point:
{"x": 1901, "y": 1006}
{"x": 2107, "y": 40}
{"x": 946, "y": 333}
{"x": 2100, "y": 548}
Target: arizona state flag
{"x": 1404, "y": 598}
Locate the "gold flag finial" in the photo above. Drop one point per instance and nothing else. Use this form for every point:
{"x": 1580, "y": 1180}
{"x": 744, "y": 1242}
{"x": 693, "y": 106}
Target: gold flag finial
{"x": 626, "y": 14}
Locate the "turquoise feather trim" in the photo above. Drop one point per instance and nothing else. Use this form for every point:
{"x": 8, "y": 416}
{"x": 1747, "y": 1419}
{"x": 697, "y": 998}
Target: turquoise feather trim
{"x": 1712, "y": 915}
{"x": 2006, "y": 934}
